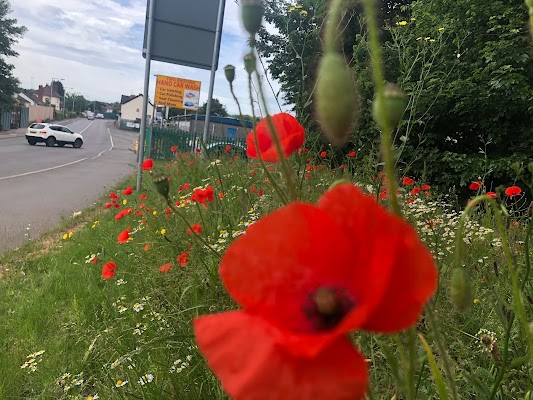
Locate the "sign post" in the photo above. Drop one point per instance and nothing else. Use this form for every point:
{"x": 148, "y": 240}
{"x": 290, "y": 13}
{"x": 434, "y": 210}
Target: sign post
{"x": 142, "y": 130}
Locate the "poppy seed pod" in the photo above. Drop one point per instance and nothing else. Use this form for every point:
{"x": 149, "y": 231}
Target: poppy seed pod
{"x": 162, "y": 185}
{"x": 460, "y": 289}
{"x": 252, "y": 15}
{"x": 229, "y": 71}
{"x": 249, "y": 63}
{"x": 336, "y": 98}
{"x": 388, "y": 109}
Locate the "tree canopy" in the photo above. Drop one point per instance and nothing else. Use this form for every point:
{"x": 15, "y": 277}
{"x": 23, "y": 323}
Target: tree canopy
{"x": 217, "y": 108}
{"x": 10, "y": 32}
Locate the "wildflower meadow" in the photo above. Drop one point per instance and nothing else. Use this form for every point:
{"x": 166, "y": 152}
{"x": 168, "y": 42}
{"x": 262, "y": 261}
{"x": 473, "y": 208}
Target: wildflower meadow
{"x": 300, "y": 271}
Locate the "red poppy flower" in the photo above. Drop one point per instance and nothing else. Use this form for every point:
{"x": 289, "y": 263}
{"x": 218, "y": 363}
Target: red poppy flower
{"x": 408, "y": 181}
{"x": 323, "y": 154}
{"x": 513, "y": 191}
{"x": 94, "y": 260}
{"x": 113, "y": 196}
{"x": 124, "y": 236}
{"x": 260, "y": 192}
{"x": 196, "y": 228}
{"x": 148, "y": 164}
{"x": 290, "y": 133}
{"x": 351, "y": 154}
{"x": 475, "y": 185}
{"x": 191, "y": 163}
{"x": 143, "y": 197}
{"x": 128, "y": 191}
{"x": 147, "y": 247}
{"x": 415, "y": 191}
{"x": 108, "y": 270}
{"x": 221, "y": 195}
{"x": 426, "y": 187}
{"x": 108, "y": 205}
{"x": 342, "y": 166}
{"x": 168, "y": 211}
{"x": 183, "y": 259}
{"x": 492, "y": 195}
{"x": 305, "y": 276}
{"x": 253, "y": 189}
{"x": 174, "y": 149}
{"x": 165, "y": 268}
{"x": 139, "y": 213}
{"x": 203, "y": 195}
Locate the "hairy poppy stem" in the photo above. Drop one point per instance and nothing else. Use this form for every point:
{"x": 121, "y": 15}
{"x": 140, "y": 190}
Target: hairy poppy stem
{"x": 267, "y": 172}
{"x": 386, "y": 133}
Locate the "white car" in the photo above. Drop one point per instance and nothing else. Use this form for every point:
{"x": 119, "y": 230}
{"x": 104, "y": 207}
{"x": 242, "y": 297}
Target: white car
{"x": 53, "y": 134}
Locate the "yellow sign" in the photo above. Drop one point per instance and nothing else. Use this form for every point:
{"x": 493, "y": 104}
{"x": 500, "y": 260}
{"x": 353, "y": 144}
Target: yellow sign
{"x": 177, "y": 92}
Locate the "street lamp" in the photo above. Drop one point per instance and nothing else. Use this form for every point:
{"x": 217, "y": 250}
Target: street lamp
{"x": 52, "y": 88}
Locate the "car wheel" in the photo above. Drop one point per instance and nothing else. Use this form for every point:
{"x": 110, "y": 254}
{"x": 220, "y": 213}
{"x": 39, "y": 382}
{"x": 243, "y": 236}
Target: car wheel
{"x": 61, "y": 144}
{"x": 51, "y": 141}
{"x": 77, "y": 143}
{"x": 33, "y": 142}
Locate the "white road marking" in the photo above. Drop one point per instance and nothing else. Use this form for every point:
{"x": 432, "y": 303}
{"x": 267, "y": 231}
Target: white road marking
{"x": 43, "y": 170}
{"x": 110, "y": 138}
{"x": 87, "y": 127}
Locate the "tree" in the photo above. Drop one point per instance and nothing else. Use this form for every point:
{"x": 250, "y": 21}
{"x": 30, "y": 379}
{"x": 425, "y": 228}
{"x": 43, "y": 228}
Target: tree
{"x": 467, "y": 69}
{"x": 58, "y": 88}
{"x": 217, "y": 109}
{"x": 9, "y": 35}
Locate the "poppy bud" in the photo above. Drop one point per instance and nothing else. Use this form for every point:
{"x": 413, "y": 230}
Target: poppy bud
{"x": 517, "y": 167}
{"x": 249, "y": 63}
{"x": 252, "y": 15}
{"x": 460, "y": 289}
{"x": 388, "y": 108}
{"x": 337, "y": 99}
{"x": 530, "y": 167}
{"x": 162, "y": 185}
{"x": 229, "y": 71}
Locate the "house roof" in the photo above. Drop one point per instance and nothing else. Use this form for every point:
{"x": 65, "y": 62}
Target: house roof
{"x": 24, "y": 98}
{"x": 133, "y": 97}
{"x": 46, "y": 92}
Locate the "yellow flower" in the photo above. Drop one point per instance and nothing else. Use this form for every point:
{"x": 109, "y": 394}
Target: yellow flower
{"x": 419, "y": 38}
{"x": 401, "y": 23}
{"x": 413, "y": 19}
{"x": 291, "y": 9}
{"x": 427, "y": 38}
{"x": 124, "y": 201}
{"x": 431, "y": 40}
{"x": 154, "y": 213}
{"x": 70, "y": 234}
{"x": 95, "y": 224}
{"x": 441, "y": 29}
{"x": 303, "y": 12}
{"x": 163, "y": 231}
{"x": 65, "y": 236}
{"x": 299, "y": 6}
{"x": 476, "y": 301}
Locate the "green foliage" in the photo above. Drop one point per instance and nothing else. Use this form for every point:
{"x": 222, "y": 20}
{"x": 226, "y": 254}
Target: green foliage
{"x": 9, "y": 34}
{"x": 217, "y": 108}
{"x": 467, "y": 67}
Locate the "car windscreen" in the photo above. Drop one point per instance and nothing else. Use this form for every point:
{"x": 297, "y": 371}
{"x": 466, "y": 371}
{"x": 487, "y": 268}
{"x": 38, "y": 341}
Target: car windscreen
{"x": 37, "y": 126}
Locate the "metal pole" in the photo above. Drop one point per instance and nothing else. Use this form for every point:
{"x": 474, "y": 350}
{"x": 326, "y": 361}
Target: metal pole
{"x": 213, "y": 66}
{"x": 145, "y": 94}
{"x": 154, "y": 109}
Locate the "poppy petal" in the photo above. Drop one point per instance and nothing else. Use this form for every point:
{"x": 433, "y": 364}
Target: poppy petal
{"x": 260, "y": 370}
{"x": 402, "y": 272}
{"x": 288, "y": 257}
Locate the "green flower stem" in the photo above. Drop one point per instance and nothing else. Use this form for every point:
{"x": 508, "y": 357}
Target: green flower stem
{"x": 285, "y": 170}
{"x": 411, "y": 384}
{"x": 503, "y": 368}
{"x": 377, "y": 68}
{"x": 267, "y": 172}
{"x": 196, "y": 235}
{"x": 334, "y": 19}
{"x": 442, "y": 350}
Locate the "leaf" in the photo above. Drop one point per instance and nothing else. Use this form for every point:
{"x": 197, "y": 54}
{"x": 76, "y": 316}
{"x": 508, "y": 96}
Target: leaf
{"x": 437, "y": 376}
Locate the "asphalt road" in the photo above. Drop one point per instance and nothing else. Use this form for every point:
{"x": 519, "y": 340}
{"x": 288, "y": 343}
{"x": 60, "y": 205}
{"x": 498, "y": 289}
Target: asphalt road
{"x": 39, "y": 184}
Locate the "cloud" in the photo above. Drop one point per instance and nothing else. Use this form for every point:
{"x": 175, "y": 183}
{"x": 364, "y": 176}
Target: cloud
{"x": 95, "y": 46}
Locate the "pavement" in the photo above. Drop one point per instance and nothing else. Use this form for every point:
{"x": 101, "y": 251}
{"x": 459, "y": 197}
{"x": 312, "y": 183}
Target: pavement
{"x": 22, "y": 131}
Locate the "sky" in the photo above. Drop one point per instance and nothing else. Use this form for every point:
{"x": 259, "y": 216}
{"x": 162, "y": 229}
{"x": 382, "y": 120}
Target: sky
{"x": 96, "y": 47}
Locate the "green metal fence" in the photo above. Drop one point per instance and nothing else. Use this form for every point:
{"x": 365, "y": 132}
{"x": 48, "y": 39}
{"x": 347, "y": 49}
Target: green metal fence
{"x": 160, "y": 141}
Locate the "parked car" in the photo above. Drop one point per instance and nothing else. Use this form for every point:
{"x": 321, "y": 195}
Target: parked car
{"x": 100, "y": 116}
{"x": 90, "y": 115}
{"x": 52, "y": 134}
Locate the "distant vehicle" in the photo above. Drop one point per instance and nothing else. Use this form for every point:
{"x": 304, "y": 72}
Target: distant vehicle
{"x": 52, "y": 134}
{"x": 90, "y": 115}
{"x": 188, "y": 104}
{"x": 100, "y": 116}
